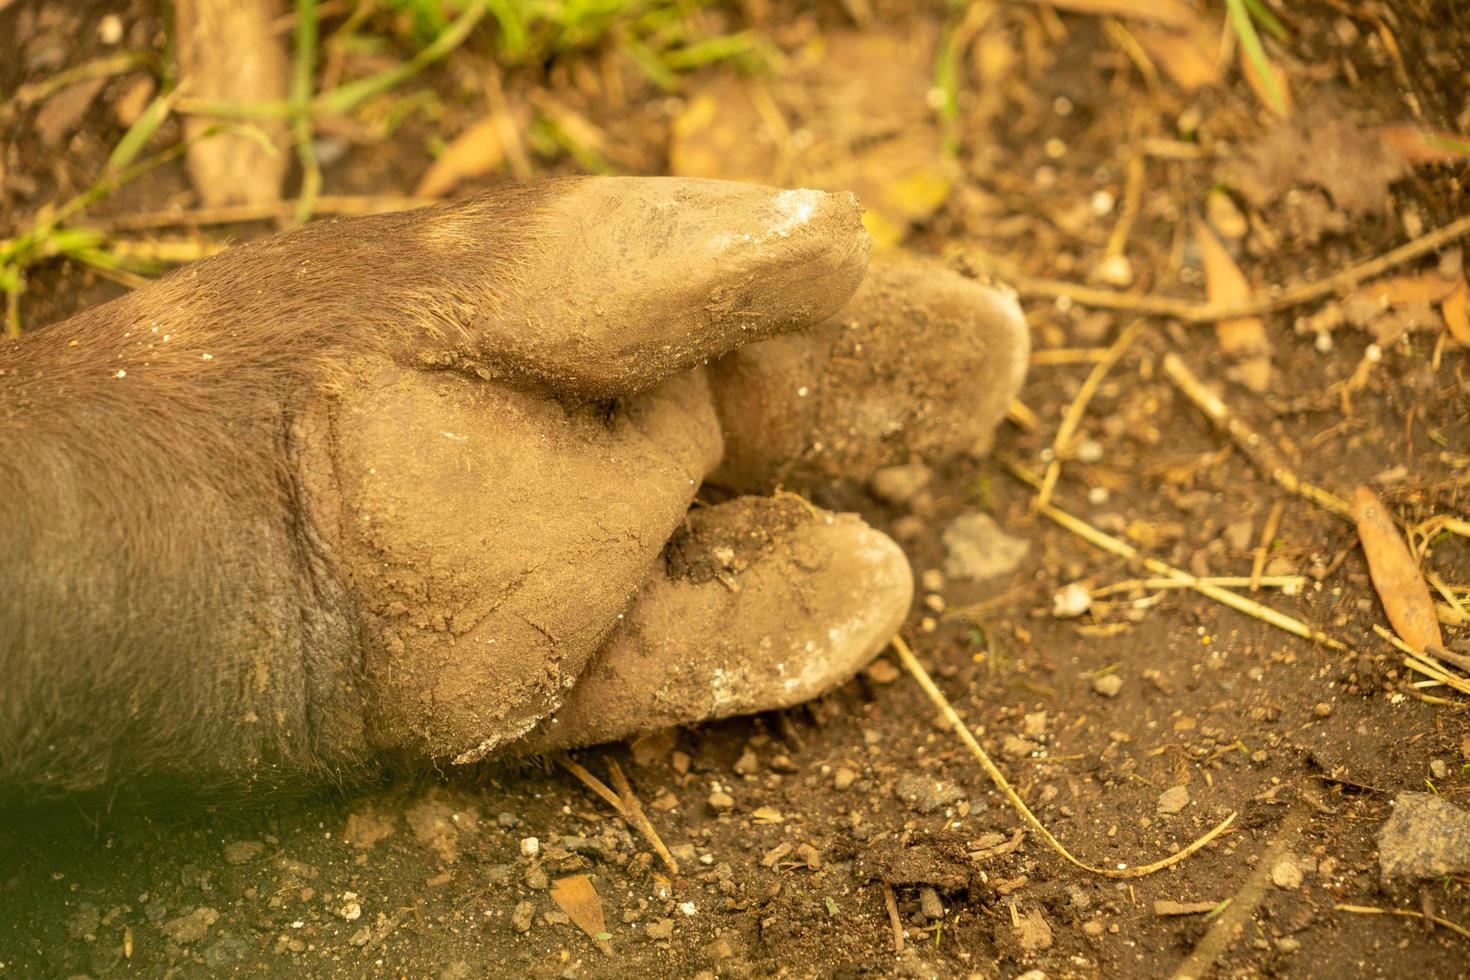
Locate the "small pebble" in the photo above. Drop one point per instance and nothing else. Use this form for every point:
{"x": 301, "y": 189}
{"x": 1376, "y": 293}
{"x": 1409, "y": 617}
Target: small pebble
{"x": 1286, "y": 874}
{"x": 882, "y": 672}
{"x": 1108, "y": 685}
{"x": 1322, "y": 709}
{"x": 1071, "y": 602}
{"x": 930, "y": 904}
{"x": 110, "y": 29}
{"x": 530, "y": 847}
{"x": 1114, "y": 270}
{"x": 1089, "y": 451}
{"x": 1173, "y": 799}
{"x": 843, "y": 778}
{"x": 720, "y": 801}
{"x": 660, "y": 929}
{"x": 932, "y": 579}
{"x": 1438, "y": 769}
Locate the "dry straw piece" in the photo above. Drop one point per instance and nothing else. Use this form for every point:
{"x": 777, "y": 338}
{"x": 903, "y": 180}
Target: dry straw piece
{"x": 917, "y": 671}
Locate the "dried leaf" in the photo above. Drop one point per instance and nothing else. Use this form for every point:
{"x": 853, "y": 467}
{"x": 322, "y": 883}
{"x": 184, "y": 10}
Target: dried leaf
{"x": 1243, "y": 338}
{"x": 1395, "y": 574}
{"x": 1416, "y": 145}
{"x": 476, "y": 151}
{"x": 575, "y": 896}
{"x": 1188, "y": 56}
{"x": 1456, "y": 310}
{"x": 1173, "y": 13}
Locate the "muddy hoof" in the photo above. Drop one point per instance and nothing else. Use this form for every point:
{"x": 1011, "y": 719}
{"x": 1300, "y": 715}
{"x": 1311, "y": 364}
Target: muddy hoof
{"x": 921, "y": 364}
{"x": 764, "y": 603}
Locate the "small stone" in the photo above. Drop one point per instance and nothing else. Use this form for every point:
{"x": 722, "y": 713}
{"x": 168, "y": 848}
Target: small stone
{"x": 530, "y": 847}
{"x": 1032, "y": 932}
{"x": 1438, "y": 769}
{"x": 1426, "y": 837}
{"x": 932, "y": 579}
{"x": 720, "y": 949}
{"x": 1288, "y": 944}
{"x": 1114, "y": 270}
{"x": 1240, "y": 535}
{"x": 191, "y": 926}
{"x": 110, "y": 29}
{"x": 925, "y": 793}
{"x": 1016, "y": 747}
{"x": 930, "y": 905}
{"x": 1108, "y": 685}
{"x": 1173, "y": 799}
{"x": 660, "y": 929}
{"x": 537, "y": 880}
{"x": 843, "y": 778}
{"x": 747, "y": 764}
{"x": 1322, "y": 709}
{"x": 1033, "y": 725}
{"x": 351, "y": 908}
{"x": 720, "y": 801}
{"x": 507, "y": 820}
{"x": 1072, "y": 601}
{"x": 898, "y": 485}
{"x": 680, "y": 761}
{"x": 1093, "y": 927}
{"x": 521, "y": 917}
{"x": 242, "y": 851}
{"x": 1089, "y": 451}
{"x": 1286, "y": 874}
{"x": 977, "y": 548}
{"x": 881, "y": 671}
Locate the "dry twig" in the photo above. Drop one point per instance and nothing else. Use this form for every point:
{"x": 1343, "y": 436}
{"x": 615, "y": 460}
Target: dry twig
{"x": 891, "y": 903}
{"x": 1072, "y": 418}
{"x": 1259, "y": 450}
{"x": 1191, "y": 311}
{"x": 625, "y": 802}
{"x": 639, "y": 818}
{"x": 1407, "y": 913}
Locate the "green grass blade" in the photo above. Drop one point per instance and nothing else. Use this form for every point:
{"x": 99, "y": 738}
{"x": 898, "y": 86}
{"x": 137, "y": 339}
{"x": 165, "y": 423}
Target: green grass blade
{"x": 140, "y": 132}
{"x": 345, "y": 97}
{"x": 1267, "y": 19}
{"x": 1250, "y": 41}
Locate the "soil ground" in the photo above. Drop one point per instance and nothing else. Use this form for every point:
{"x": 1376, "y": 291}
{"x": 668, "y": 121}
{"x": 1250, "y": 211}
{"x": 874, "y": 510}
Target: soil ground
{"x": 867, "y": 789}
